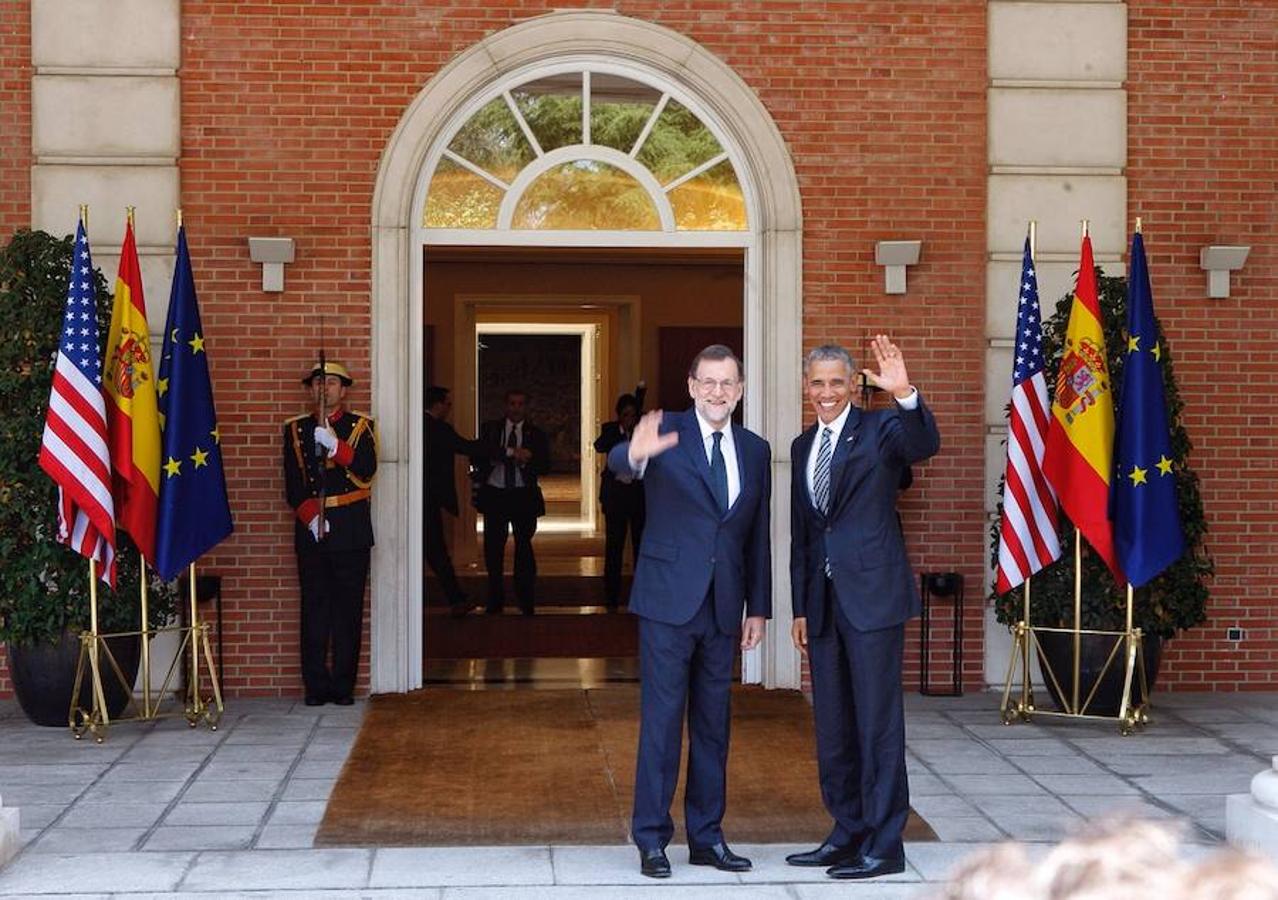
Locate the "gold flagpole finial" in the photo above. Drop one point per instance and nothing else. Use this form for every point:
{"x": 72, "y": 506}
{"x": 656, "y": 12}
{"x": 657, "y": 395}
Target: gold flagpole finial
{"x": 1085, "y": 228}
{"x": 128, "y": 214}
{"x": 1033, "y": 238}
{"x": 179, "y": 218}
{"x": 1138, "y": 224}
{"x": 84, "y": 215}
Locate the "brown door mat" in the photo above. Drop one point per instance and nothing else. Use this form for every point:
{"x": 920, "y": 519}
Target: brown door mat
{"x": 460, "y": 768}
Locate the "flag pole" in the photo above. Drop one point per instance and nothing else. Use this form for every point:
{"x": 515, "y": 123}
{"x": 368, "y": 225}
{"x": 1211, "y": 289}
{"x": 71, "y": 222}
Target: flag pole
{"x": 195, "y": 709}
{"x": 1026, "y": 699}
{"x": 1078, "y": 583}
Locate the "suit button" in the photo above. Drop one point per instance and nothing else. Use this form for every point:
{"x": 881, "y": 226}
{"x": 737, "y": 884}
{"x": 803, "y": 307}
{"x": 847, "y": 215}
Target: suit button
{"x": 828, "y": 529}
{"x": 712, "y": 560}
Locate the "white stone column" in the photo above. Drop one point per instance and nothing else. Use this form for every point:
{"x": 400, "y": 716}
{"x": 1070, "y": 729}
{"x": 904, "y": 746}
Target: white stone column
{"x": 1251, "y": 820}
{"x": 1057, "y": 153}
{"x": 9, "y": 842}
{"x": 106, "y": 130}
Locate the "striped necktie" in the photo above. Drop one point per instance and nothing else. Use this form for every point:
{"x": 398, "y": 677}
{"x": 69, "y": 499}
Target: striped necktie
{"x": 821, "y": 474}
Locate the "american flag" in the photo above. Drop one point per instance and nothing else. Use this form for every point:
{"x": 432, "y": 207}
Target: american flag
{"x": 1027, "y": 535}
{"x": 73, "y": 450}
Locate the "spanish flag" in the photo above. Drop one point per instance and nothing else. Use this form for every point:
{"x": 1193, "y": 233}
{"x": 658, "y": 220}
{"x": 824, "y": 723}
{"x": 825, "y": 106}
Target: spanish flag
{"x": 1079, "y": 457}
{"x": 132, "y": 412}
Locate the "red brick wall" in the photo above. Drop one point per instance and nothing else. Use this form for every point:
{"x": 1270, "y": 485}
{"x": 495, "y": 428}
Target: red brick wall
{"x": 15, "y": 146}
{"x": 1203, "y": 169}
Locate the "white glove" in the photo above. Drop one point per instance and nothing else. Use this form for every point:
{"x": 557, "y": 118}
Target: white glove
{"x": 327, "y": 439}
{"x": 313, "y": 525}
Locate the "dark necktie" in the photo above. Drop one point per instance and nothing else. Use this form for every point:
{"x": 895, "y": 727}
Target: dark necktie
{"x": 512, "y": 443}
{"x": 719, "y": 472}
{"x": 821, "y": 474}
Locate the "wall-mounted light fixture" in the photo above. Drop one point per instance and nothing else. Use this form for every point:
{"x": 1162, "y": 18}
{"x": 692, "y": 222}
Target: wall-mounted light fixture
{"x": 1218, "y": 262}
{"x": 272, "y": 253}
{"x": 894, "y": 256}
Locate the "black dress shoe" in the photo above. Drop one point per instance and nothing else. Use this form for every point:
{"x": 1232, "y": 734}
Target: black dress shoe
{"x": 826, "y": 855}
{"x": 654, "y": 864}
{"x": 868, "y": 867}
{"x": 311, "y": 700}
{"x": 719, "y": 856}
{"x": 344, "y": 701}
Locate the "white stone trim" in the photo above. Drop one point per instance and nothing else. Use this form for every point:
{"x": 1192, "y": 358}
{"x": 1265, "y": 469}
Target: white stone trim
{"x": 605, "y": 41}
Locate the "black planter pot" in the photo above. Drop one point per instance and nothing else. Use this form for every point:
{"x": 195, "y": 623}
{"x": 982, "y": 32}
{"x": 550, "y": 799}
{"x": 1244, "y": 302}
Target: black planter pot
{"x": 44, "y": 676}
{"x": 1057, "y": 649}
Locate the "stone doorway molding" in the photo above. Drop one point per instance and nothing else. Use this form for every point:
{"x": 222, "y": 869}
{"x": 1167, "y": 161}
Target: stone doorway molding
{"x": 772, "y": 300}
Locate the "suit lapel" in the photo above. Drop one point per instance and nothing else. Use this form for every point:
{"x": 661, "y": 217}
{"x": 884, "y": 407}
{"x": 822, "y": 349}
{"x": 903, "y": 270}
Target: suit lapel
{"x": 690, "y": 439}
{"x": 842, "y": 451}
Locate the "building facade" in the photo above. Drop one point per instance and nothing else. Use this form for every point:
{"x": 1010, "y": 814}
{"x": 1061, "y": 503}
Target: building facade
{"x": 845, "y": 124}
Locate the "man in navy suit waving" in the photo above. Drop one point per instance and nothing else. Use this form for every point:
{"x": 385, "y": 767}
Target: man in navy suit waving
{"x": 852, "y": 591}
{"x": 705, "y": 560}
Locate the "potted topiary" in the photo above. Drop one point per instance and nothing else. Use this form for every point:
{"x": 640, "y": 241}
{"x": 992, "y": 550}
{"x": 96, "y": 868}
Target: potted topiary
{"x": 1173, "y": 601}
{"x": 44, "y": 585}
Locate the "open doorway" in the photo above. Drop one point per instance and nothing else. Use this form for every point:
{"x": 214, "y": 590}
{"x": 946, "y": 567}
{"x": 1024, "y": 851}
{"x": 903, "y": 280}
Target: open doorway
{"x": 575, "y": 329}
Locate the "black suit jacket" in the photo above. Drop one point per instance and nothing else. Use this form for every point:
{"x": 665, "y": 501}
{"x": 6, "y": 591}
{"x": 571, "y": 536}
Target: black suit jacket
{"x": 861, "y": 536}
{"x": 492, "y": 442}
{"x": 442, "y": 444}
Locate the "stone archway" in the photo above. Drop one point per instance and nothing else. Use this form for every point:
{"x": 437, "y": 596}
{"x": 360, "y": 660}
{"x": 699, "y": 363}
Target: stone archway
{"x": 773, "y": 301}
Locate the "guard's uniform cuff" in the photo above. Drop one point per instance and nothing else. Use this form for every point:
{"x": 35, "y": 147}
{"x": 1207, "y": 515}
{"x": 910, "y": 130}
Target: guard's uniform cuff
{"x": 307, "y": 510}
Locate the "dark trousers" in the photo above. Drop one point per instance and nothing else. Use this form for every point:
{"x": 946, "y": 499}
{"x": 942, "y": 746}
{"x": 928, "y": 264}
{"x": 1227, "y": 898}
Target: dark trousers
{"x": 510, "y": 510}
{"x": 618, "y": 519}
{"x": 332, "y": 613}
{"x": 860, "y": 732}
{"x": 437, "y": 554}
{"x": 683, "y": 668}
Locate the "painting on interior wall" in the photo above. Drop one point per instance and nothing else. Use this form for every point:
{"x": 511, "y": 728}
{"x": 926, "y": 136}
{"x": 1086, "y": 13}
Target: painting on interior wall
{"x": 548, "y": 368}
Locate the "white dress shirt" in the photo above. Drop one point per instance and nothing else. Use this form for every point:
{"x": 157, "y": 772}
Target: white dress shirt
{"x": 729, "y": 450}
{"x": 497, "y": 478}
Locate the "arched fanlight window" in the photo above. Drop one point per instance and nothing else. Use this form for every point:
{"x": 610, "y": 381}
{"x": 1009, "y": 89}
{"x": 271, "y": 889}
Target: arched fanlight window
{"x": 585, "y": 150}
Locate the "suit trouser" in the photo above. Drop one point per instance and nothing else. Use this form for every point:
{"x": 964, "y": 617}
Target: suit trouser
{"x": 859, "y": 710}
{"x": 510, "y": 510}
{"x": 618, "y": 519}
{"x": 683, "y": 667}
{"x": 437, "y": 554}
{"x": 332, "y": 612}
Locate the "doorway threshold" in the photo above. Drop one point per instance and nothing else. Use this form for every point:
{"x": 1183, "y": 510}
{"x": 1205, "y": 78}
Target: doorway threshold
{"x": 531, "y": 673}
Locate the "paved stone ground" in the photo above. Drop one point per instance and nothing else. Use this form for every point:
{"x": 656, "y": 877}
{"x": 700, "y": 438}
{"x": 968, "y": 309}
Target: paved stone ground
{"x": 166, "y": 811}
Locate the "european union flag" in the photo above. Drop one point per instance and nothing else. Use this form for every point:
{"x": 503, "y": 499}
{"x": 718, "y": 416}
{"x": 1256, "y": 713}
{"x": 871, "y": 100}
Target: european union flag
{"x": 194, "y": 511}
{"x": 1147, "y": 532}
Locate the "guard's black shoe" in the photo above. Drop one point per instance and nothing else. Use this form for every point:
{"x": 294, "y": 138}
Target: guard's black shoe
{"x": 654, "y": 864}
{"x": 344, "y": 701}
{"x": 311, "y": 700}
{"x": 720, "y": 856}
{"x": 868, "y": 867}
{"x": 825, "y": 855}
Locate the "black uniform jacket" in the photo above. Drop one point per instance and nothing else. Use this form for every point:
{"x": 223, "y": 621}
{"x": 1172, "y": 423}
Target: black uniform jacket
{"x": 347, "y": 480}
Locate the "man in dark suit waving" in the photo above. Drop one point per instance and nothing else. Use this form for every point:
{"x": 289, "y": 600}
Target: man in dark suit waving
{"x": 852, "y": 592}
{"x": 516, "y": 453}
{"x": 705, "y": 560}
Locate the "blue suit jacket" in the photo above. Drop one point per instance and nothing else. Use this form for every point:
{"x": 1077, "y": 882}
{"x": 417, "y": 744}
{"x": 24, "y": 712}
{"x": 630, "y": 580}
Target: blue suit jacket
{"x": 861, "y": 536}
{"x": 687, "y": 542}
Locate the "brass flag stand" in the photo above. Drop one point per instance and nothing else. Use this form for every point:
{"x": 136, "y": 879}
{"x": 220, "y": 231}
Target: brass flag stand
{"x": 1133, "y": 711}
{"x": 197, "y": 708}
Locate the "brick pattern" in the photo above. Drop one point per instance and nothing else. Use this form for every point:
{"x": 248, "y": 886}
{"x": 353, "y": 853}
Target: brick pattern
{"x": 1202, "y": 169}
{"x": 287, "y": 107}
{"x": 15, "y": 147}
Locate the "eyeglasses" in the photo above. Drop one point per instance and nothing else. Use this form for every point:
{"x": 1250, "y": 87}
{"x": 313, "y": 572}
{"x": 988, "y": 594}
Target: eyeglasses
{"x": 707, "y": 385}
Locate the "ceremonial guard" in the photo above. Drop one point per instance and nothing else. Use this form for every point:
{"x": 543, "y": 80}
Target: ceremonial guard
{"x": 330, "y": 458}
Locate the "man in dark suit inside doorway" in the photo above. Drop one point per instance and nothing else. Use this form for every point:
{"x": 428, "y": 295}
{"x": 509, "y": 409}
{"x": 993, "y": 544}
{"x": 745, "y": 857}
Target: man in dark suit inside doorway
{"x": 442, "y": 444}
{"x": 705, "y": 560}
{"x": 852, "y": 592}
{"x": 516, "y": 453}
